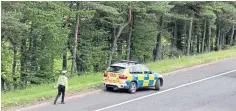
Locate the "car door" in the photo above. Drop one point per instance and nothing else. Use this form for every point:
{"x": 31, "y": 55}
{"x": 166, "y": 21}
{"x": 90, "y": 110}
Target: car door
{"x": 137, "y": 75}
{"x": 149, "y": 77}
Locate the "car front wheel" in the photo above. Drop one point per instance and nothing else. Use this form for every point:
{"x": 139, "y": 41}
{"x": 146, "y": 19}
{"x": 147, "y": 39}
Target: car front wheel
{"x": 157, "y": 85}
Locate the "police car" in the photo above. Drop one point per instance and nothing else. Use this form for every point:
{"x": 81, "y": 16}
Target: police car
{"x": 131, "y": 75}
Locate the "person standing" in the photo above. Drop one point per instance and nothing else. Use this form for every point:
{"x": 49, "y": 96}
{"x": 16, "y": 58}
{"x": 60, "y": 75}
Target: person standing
{"x": 62, "y": 85}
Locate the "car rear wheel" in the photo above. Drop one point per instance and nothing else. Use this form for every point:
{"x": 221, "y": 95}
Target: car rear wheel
{"x": 132, "y": 87}
{"x": 157, "y": 85}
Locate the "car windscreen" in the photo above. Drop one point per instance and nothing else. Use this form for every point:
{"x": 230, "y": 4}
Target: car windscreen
{"x": 116, "y": 69}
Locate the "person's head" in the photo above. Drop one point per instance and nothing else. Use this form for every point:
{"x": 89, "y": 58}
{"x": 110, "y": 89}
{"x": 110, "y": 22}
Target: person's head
{"x": 64, "y": 72}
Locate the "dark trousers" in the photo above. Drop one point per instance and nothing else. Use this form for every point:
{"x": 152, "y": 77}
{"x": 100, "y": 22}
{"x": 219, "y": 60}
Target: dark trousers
{"x": 61, "y": 90}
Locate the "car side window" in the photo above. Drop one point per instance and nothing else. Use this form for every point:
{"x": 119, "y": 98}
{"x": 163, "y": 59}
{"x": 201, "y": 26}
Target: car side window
{"x": 131, "y": 70}
{"x": 139, "y": 70}
{"x": 146, "y": 70}
{"x": 135, "y": 70}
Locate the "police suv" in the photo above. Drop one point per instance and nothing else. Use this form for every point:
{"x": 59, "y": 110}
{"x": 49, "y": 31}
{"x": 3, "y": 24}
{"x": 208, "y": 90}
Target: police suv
{"x": 131, "y": 75}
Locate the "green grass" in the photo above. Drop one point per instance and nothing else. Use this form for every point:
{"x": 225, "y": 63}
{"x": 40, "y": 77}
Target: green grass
{"x": 46, "y": 91}
{"x": 187, "y": 61}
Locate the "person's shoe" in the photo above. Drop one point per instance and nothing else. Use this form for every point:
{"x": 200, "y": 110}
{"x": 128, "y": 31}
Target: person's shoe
{"x": 62, "y": 102}
{"x": 54, "y": 103}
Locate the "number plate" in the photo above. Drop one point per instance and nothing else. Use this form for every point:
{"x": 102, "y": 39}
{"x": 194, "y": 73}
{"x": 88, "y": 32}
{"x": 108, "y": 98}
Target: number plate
{"x": 113, "y": 75}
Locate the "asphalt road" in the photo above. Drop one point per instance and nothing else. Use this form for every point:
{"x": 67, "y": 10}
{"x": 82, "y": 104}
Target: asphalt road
{"x": 207, "y": 88}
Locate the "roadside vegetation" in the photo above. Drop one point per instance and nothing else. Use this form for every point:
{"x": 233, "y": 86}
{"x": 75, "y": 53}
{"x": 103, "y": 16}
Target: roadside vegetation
{"x": 40, "y": 39}
{"x": 89, "y": 80}
{"x": 188, "y": 61}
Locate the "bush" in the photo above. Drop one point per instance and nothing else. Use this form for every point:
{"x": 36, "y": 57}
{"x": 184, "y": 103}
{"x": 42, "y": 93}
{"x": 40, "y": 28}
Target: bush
{"x": 172, "y": 52}
{"x": 225, "y": 47}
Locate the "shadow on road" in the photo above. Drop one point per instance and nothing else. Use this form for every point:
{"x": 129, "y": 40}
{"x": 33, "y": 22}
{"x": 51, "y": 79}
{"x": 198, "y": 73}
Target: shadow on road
{"x": 125, "y": 91}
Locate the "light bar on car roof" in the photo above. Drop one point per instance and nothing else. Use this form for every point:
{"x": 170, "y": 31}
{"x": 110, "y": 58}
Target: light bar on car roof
{"x": 127, "y": 61}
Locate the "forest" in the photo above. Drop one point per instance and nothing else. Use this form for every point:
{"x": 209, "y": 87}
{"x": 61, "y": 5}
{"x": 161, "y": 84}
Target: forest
{"x": 39, "y": 39}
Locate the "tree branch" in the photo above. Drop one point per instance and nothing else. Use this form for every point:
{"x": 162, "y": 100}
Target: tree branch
{"x": 124, "y": 25}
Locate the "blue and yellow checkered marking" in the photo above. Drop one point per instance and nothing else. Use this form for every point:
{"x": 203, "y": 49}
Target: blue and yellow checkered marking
{"x": 143, "y": 80}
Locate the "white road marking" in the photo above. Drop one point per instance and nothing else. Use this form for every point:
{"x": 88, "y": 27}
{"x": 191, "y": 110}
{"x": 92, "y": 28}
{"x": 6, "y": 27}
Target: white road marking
{"x": 170, "y": 89}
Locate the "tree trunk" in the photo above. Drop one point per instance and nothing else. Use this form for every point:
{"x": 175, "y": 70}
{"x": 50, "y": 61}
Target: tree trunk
{"x": 79, "y": 63}
{"x": 174, "y": 35}
{"x": 64, "y": 61}
{"x": 117, "y": 36}
{"x": 235, "y": 39}
{"x": 23, "y": 63}
{"x": 204, "y": 36}
{"x": 69, "y": 44}
{"x": 179, "y": 36}
{"x": 185, "y": 36}
{"x": 209, "y": 38}
{"x": 232, "y": 35}
{"x": 75, "y": 44}
{"x": 2, "y": 83}
{"x": 223, "y": 39}
{"x": 158, "y": 44}
{"x": 198, "y": 44}
{"x": 14, "y": 66}
{"x": 112, "y": 50}
{"x": 189, "y": 35}
{"x": 198, "y": 38}
{"x": 219, "y": 39}
{"x": 129, "y": 38}
{"x": 195, "y": 39}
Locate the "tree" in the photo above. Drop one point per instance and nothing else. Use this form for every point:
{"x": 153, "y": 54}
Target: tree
{"x": 130, "y": 34}
{"x": 12, "y": 28}
{"x": 160, "y": 9}
{"x": 117, "y": 35}
{"x": 38, "y": 36}
{"x": 75, "y": 41}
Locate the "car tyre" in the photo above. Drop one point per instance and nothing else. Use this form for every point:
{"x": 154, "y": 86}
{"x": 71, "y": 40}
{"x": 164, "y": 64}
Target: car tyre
{"x": 132, "y": 87}
{"x": 157, "y": 85}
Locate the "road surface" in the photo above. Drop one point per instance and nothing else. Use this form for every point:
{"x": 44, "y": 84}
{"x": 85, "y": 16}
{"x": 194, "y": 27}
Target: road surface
{"x": 210, "y": 87}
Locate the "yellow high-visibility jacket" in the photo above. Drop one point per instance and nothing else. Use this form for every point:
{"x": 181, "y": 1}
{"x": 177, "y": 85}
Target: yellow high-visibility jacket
{"x": 62, "y": 80}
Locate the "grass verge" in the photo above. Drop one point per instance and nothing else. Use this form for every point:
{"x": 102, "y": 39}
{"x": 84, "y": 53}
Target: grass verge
{"x": 46, "y": 91}
{"x": 188, "y": 61}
